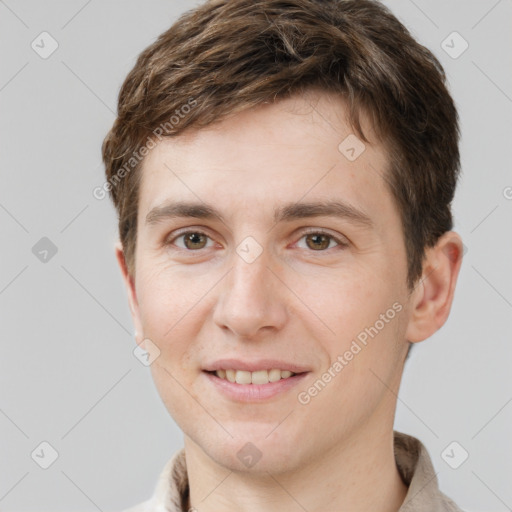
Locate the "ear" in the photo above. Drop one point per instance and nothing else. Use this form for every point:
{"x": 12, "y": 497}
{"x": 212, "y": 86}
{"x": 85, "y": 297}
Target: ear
{"x": 431, "y": 299}
{"x": 132, "y": 294}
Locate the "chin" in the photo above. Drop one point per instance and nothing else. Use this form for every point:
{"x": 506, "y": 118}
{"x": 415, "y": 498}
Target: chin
{"x": 254, "y": 448}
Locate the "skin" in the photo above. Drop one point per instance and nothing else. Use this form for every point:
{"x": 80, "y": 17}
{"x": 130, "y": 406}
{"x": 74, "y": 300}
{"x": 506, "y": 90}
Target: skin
{"x": 294, "y": 302}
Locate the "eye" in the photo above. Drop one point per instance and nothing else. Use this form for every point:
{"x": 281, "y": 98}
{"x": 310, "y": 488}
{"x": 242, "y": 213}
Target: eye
{"x": 321, "y": 240}
{"x": 316, "y": 240}
{"x": 192, "y": 240}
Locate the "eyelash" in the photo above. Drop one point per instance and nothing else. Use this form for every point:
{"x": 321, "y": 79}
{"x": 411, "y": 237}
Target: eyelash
{"x": 341, "y": 244}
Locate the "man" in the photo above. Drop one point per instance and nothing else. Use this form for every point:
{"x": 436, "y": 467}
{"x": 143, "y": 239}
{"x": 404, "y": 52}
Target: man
{"x": 283, "y": 173}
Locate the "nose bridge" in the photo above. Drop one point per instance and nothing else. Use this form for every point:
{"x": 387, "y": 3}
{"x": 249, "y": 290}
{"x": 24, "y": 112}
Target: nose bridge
{"x": 250, "y": 276}
{"x": 248, "y": 300}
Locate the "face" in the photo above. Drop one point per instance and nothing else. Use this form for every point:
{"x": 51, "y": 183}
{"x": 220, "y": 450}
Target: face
{"x": 272, "y": 283}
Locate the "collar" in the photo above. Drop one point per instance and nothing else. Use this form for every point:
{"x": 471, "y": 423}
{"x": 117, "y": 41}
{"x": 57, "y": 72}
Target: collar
{"x": 412, "y": 460}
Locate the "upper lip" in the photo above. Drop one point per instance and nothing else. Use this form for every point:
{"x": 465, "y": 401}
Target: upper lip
{"x": 253, "y": 366}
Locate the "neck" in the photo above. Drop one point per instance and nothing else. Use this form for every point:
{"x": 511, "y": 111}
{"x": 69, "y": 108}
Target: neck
{"x": 359, "y": 476}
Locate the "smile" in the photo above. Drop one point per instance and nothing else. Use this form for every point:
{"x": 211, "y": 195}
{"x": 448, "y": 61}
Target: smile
{"x": 257, "y": 386}
{"x": 257, "y": 377}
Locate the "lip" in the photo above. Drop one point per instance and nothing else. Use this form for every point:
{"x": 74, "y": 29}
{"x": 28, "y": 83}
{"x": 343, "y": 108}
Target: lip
{"x": 254, "y": 366}
{"x": 253, "y": 392}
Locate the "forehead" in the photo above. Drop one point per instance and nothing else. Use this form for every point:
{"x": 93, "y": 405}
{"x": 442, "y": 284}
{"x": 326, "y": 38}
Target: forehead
{"x": 297, "y": 149}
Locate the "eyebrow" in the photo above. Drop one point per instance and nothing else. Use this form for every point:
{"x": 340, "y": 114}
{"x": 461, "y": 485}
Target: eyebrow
{"x": 285, "y": 213}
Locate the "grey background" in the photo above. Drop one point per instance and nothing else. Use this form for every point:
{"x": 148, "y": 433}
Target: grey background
{"x": 67, "y": 372}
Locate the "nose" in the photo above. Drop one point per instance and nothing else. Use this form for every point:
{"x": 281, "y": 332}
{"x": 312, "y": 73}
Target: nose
{"x": 251, "y": 300}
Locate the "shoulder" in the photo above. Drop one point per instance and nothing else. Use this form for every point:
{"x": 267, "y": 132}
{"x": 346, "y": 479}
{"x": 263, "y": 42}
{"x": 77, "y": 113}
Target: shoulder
{"x": 448, "y": 505}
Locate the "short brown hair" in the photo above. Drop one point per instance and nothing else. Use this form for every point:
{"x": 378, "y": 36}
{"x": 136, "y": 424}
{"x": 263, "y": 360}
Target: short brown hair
{"x": 226, "y": 56}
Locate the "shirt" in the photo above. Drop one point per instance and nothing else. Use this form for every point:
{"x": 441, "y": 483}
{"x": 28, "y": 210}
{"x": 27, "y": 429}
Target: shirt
{"x": 412, "y": 459}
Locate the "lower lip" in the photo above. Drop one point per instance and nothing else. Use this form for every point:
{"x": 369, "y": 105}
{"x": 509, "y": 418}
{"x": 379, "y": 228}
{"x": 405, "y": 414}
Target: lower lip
{"x": 254, "y": 392}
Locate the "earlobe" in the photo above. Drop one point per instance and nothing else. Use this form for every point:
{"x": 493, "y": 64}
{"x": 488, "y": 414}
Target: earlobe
{"x": 433, "y": 296}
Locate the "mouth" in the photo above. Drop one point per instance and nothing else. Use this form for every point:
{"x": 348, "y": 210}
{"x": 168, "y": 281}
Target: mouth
{"x": 258, "y": 377}
{"x": 245, "y": 386}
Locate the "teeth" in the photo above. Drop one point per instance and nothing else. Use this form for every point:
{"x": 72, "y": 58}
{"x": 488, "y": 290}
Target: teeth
{"x": 258, "y": 377}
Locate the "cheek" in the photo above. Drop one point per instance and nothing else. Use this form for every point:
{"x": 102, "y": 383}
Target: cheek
{"x": 365, "y": 321}
{"x": 171, "y": 309}
{"x": 360, "y": 376}
{"x": 165, "y": 296}
{"x": 338, "y": 303}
